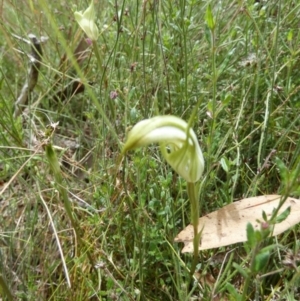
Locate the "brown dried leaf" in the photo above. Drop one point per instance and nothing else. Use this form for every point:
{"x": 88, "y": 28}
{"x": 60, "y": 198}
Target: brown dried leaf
{"x": 227, "y": 225}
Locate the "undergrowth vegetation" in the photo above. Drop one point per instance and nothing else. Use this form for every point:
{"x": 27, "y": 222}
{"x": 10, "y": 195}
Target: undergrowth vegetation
{"x": 99, "y": 226}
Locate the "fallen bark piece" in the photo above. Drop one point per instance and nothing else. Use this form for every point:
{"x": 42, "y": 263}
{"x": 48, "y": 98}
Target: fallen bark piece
{"x": 227, "y": 225}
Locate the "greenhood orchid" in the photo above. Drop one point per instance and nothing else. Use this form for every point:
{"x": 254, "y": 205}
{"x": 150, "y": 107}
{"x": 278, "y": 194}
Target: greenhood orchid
{"x": 86, "y": 21}
{"x": 178, "y": 144}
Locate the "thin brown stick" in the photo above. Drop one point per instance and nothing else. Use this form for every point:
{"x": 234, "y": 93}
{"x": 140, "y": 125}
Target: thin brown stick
{"x": 33, "y": 74}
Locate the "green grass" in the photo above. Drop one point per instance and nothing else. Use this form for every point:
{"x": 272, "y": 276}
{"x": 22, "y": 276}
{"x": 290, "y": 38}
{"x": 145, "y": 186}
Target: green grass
{"x": 241, "y": 79}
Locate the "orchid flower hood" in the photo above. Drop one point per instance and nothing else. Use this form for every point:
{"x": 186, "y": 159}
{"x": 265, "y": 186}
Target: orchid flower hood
{"x": 178, "y": 143}
{"x": 86, "y": 21}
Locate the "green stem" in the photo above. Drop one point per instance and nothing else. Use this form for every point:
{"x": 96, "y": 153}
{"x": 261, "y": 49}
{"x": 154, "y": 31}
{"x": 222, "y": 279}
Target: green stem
{"x": 193, "y": 196}
{"x": 250, "y": 275}
{"x": 100, "y": 65}
{"x": 213, "y": 105}
{"x": 5, "y": 289}
{"x": 55, "y": 168}
{"x": 97, "y": 53}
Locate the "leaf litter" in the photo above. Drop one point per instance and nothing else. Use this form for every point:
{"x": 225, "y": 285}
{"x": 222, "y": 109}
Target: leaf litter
{"x": 227, "y": 225}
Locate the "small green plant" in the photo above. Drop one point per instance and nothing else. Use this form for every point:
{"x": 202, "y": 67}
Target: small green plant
{"x": 259, "y": 248}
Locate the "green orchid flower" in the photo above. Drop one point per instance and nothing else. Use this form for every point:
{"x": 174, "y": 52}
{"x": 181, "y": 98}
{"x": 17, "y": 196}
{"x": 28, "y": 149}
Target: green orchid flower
{"x": 86, "y": 21}
{"x": 178, "y": 144}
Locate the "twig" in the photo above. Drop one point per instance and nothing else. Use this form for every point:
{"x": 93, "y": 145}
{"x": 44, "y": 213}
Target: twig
{"x": 33, "y": 72}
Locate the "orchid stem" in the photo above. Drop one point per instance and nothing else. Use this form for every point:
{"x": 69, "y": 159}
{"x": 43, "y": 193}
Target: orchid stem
{"x": 193, "y": 195}
{"x": 97, "y": 53}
